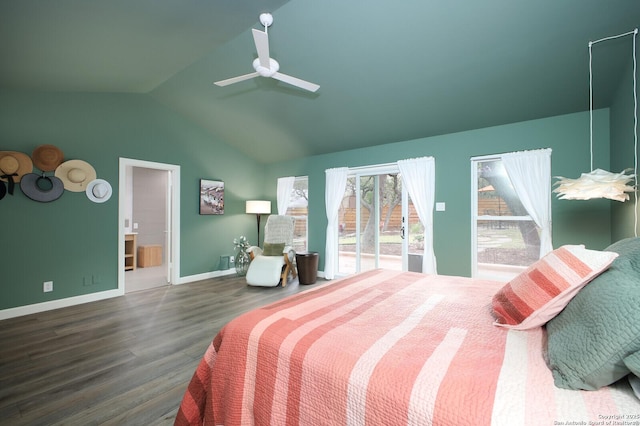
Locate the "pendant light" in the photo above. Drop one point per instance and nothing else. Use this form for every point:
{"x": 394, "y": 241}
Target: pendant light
{"x": 600, "y": 183}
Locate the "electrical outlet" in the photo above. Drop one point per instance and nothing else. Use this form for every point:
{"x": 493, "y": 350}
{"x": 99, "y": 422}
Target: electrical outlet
{"x": 232, "y": 260}
{"x": 47, "y": 286}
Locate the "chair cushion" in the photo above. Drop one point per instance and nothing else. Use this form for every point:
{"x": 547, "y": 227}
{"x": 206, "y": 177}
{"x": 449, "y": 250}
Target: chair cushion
{"x": 273, "y": 249}
{"x": 265, "y": 271}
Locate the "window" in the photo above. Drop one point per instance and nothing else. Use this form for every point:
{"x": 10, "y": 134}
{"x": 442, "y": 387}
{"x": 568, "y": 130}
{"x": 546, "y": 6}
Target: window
{"x": 506, "y": 235}
{"x": 298, "y": 208}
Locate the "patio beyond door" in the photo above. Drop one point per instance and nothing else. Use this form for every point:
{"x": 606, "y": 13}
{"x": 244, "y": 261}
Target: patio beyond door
{"x": 378, "y": 224}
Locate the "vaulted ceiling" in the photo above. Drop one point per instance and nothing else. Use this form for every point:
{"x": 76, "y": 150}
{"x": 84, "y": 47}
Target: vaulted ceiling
{"x": 388, "y": 71}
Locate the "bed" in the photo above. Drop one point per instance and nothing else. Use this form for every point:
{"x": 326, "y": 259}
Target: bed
{"x": 396, "y": 348}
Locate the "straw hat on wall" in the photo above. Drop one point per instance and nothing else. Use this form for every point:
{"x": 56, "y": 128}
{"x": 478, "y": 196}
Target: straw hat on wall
{"x": 75, "y": 175}
{"x": 47, "y": 157}
{"x": 14, "y": 164}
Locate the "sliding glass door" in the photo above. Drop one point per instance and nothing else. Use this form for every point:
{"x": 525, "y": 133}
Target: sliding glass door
{"x": 378, "y": 225}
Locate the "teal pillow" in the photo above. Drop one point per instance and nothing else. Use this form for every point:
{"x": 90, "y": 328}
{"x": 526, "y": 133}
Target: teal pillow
{"x": 273, "y": 249}
{"x": 591, "y": 340}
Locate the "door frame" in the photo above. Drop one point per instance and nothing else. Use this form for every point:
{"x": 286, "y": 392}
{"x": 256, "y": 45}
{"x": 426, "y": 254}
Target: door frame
{"x": 173, "y": 205}
{"x": 376, "y": 170}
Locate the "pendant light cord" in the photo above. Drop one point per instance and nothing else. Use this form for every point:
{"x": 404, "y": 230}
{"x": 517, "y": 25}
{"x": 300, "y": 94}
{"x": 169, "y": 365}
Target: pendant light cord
{"x": 635, "y": 132}
{"x": 591, "y": 104}
{"x": 635, "y": 115}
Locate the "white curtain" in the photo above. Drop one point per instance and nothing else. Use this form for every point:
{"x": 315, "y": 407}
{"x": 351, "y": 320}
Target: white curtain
{"x": 530, "y": 174}
{"x": 336, "y": 182}
{"x": 418, "y": 176}
{"x": 285, "y": 186}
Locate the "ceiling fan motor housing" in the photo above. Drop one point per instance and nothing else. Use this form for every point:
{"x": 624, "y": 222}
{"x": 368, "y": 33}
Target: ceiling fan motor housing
{"x": 266, "y": 19}
{"x": 264, "y": 65}
{"x": 274, "y": 66}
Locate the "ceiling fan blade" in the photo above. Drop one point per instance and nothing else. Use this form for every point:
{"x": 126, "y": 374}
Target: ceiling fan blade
{"x": 261, "y": 39}
{"x": 232, "y": 80}
{"x": 312, "y": 87}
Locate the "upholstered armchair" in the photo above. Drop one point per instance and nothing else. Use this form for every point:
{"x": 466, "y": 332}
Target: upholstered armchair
{"x": 273, "y": 263}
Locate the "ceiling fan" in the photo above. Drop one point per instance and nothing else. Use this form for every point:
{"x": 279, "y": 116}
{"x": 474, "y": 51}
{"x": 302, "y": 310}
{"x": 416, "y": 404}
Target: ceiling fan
{"x": 264, "y": 65}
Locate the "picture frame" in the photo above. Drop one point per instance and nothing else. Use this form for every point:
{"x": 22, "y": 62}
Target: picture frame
{"x": 211, "y": 197}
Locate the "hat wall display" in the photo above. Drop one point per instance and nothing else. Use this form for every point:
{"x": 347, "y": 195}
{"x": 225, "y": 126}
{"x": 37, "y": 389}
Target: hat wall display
{"x": 99, "y": 190}
{"x": 75, "y": 175}
{"x": 41, "y": 188}
{"x": 15, "y": 164}
{"x": 47, "y": 157}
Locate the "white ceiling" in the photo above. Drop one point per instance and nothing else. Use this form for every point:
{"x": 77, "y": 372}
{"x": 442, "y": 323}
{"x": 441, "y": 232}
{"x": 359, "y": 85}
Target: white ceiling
{"x": 388, "y": 71}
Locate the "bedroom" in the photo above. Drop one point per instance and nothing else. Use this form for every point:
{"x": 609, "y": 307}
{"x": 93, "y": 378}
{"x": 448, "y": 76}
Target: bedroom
{"x": 81, "y": 238}
{"x": 72, "y": 238}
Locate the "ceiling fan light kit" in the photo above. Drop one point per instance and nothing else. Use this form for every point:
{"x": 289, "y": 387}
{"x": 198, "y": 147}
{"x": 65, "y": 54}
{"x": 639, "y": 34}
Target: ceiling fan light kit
{"x": 264, "y": 65}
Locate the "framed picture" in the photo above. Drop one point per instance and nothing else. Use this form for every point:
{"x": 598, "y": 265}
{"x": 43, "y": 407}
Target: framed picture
{"x": 211, "y": 196}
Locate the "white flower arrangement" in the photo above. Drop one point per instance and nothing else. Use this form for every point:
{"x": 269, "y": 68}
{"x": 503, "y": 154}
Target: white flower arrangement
{"x": 241, "y": 244}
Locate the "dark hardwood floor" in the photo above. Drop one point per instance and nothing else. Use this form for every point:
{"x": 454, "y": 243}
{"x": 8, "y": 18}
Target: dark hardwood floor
{"x": 121, "y": 361}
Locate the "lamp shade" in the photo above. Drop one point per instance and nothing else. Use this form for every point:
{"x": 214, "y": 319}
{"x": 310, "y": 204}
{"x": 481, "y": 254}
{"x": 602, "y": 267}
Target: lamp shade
{"x": 597, "y": 184}
{"x": 258, "y": 207}
{"x": 600, "y": 183}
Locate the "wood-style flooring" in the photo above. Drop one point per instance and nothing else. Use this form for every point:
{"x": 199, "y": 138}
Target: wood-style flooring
{"x": 121, "y": 361}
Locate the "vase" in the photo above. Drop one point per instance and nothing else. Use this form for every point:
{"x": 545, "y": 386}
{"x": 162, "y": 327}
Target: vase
{"x": 242, "y": 263}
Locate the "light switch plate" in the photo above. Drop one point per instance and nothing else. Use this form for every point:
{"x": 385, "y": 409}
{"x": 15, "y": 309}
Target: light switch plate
{"x": 440, "y": 207}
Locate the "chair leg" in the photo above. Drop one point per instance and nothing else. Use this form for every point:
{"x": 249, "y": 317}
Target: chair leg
{"x": 286, "y": 270}
{"x": 285, "y": 275}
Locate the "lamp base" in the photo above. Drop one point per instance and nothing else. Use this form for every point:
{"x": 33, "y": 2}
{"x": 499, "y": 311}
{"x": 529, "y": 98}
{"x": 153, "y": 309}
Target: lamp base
{"x": 258, "y": 221}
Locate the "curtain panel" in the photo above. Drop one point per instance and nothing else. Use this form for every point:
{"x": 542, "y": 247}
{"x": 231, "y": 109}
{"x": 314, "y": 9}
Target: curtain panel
{"x": 335, "y": 185}
{"x": 418, "y": 176}
{"x": 530, "y": 174}
{"x": 285, "y": 186}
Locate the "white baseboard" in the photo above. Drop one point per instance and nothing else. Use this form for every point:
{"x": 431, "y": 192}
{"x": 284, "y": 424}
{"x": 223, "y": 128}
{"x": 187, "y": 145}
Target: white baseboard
{"x": 93, "y": 297}
{"x": 204, "y": 276}
{"x": 57, "y": 304}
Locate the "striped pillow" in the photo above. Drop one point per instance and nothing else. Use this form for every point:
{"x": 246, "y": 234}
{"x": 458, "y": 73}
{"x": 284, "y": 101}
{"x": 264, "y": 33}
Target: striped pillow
{"x": 541, "y": 291}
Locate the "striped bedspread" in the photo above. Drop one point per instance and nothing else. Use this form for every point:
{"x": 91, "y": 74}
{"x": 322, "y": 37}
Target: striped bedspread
{"x": 386, "y": 348}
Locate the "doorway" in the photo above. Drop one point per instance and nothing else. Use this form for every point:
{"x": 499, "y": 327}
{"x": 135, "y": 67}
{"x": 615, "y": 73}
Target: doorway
{"x": 149, "y": 230}
{"x": 379, "y": 227}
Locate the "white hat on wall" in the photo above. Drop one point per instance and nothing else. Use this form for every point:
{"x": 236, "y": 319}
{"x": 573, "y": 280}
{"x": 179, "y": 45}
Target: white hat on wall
{"x": 99, "y": 190}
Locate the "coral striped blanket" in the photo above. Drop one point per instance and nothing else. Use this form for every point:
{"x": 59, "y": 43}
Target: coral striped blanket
{"x": 385, "y": 348}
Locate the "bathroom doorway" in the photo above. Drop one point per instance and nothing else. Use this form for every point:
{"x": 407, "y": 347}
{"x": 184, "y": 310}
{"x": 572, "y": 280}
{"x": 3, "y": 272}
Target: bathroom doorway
{"x": 148, "y": 224}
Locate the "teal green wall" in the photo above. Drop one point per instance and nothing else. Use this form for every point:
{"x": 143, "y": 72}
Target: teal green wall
{"x": 622, "y": 155}
{"x": 584, "y": 222}
{"x": 72, "y": 237}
